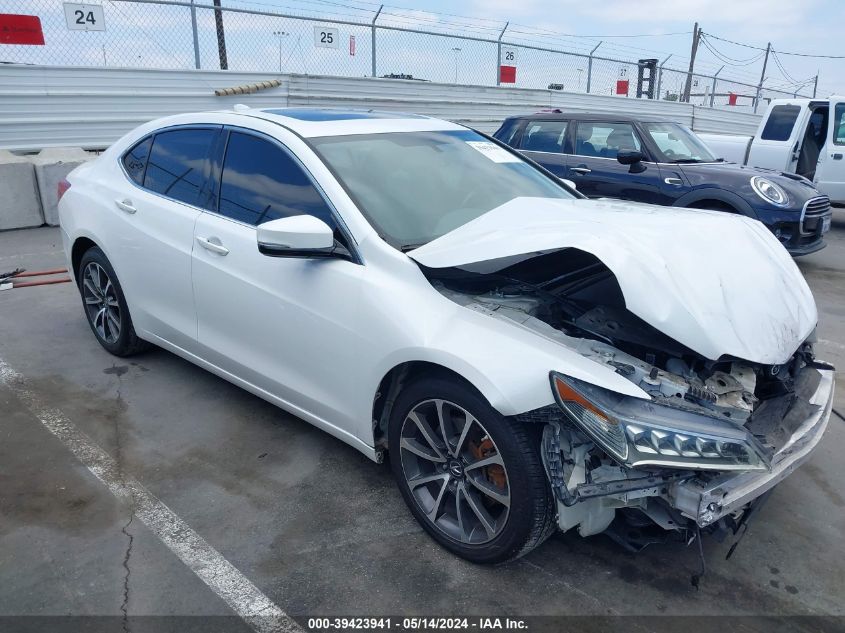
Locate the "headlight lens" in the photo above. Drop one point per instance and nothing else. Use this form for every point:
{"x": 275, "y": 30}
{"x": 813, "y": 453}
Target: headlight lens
{"x": 641, "y": 433}
{"x": 770, "y": 192}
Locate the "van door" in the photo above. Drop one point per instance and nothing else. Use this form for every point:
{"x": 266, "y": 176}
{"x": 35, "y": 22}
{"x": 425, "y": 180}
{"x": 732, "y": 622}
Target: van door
{"x": 830, "y": 172}
{"x": 778, "y": 142}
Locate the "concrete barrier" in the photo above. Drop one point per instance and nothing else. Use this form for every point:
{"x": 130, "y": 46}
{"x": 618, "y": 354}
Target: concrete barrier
{"x": 51, "y": 165}
{"x": 20, "y": 206}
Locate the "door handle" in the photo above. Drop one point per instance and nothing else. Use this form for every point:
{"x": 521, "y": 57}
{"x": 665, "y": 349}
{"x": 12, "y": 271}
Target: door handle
{"x": 125, "y": 205}
{"x": 837, "y": 156}
{"x": 677, "y": 182}
{"x": 580, "y": 170}
{"x": 212, "y": 244}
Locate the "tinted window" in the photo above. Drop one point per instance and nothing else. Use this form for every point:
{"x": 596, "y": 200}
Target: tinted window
{"x": 508, "y": 130}
{"x": 604, "y": 139}
{"x": 177, "y": 164}
{"x": 839, "y": 124}
{"x": 261, "y": 182}
{"x": 780, "y": 123}
{"x": 544, "y": 136}
{"x": 135, "y": 160}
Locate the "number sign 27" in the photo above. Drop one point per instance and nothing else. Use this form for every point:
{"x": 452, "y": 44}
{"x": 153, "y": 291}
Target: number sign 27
{"x": 84, "y": 17}
{"x": 326, "y": 37}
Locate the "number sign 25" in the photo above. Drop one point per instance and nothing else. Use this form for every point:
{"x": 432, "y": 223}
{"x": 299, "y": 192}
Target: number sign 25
{"x": 84, "y": 17}
{"x": 326, "y": 37}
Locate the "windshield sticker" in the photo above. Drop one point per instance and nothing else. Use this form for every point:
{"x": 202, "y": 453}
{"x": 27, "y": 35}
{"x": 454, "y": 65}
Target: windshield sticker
{"x": 493, "y": 152}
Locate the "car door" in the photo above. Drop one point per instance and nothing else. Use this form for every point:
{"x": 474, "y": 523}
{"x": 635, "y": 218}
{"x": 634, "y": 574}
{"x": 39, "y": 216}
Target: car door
{"x": 168, "y": 172}
{"x": 598, "y": 174}
{"x": 830, "y": 172}
{"x": 282, "y": 325}
{"x": 544, "y": 142}
{"x": 778, "y": 144}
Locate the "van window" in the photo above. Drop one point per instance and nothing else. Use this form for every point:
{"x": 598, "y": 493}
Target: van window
{"x": 178, "y": 163}
{"x": 839, "y": 124}
{"x": 780, "y": 123}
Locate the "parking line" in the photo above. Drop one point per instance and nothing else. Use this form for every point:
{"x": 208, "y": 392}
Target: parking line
{"x": 223, "y": 578}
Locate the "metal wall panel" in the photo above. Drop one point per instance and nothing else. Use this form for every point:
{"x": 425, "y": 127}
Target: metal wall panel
{"x": 47, "y": 106}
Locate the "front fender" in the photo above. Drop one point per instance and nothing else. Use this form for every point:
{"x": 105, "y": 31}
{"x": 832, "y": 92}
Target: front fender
{"x": 720, "y": 195}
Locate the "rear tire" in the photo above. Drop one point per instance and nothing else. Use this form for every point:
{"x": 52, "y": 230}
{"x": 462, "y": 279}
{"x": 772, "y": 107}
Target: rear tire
{"x": 105, "y": 305}
{"x": 481, "y": 490}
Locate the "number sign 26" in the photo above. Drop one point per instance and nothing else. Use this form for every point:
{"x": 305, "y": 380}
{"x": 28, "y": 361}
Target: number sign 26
{"x": 326, "y": 37}
{"x": 84, "y": 17}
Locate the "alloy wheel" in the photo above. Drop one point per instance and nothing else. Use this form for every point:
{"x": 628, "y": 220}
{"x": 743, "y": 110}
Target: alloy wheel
{"x": 101, "y": 303}
{"x": 455, "y": 471}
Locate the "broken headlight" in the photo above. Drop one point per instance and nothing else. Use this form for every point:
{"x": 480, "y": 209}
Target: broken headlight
{"x": 638, "y": 432}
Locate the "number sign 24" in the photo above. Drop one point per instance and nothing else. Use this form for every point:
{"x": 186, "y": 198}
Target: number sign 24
{"x": 84, "y": 17}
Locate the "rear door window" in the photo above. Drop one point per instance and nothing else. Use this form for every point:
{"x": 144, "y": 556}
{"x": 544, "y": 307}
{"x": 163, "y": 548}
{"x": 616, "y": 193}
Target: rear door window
{"x": 604, "y": 140}
{"x": 262, "y": 182}
{"x": 179, "y": 163}
{"x": 839, "y": 124}
{"x": 780, "y": 123}
{"x": 135, "y": 160}
{"x": 544, "y": 136}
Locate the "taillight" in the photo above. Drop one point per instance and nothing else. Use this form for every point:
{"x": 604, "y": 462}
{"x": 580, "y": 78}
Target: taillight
{"x": 63, "y": 186}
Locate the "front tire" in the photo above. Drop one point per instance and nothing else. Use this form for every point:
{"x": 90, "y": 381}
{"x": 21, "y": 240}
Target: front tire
{"x": 105, "y": 305}
{"x": 472, "y": 478}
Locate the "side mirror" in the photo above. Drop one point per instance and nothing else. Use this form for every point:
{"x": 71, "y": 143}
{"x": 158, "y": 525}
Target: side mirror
{"x": 569, "y": 183}
{"x": 295, "y": 236}
{"x": 632, "y": 157}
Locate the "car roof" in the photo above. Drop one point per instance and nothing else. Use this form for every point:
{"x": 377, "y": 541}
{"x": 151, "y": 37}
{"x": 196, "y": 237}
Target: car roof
{"x": 312, "y": 122}
{"x": 586, "y": 116}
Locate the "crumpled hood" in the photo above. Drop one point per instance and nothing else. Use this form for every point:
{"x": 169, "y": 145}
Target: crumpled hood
{"x": 721, "y": 284}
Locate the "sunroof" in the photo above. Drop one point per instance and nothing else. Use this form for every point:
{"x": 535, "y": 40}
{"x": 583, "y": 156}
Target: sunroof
{"x": 315, "y": 114}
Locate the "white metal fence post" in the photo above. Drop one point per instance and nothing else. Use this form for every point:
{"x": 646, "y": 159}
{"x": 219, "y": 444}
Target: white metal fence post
{"x": 660, "y": 78}
{"x": 590, "y": 66}
{"x": 713, "y": 89}
{"x": 196, "y": 35}
{"x": 373, "y": 47}
{"x": 499, "y": 55}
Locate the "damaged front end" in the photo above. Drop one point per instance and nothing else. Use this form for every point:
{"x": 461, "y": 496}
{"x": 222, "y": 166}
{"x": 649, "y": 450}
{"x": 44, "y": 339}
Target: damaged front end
{"x": 708, "y": 437}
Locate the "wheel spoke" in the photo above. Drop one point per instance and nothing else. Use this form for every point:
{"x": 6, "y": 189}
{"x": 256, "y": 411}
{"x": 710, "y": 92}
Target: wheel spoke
{"x": 464, "y": 432}
{"x": 427, "y": 433}
{"x": 416, "y": 482}
{"x": 99, "y": 322}
{"x": 438, "y": 501}
{"x": 114, "y": 323}
{"x": 419, "y": 450}
{"x": 485, "y": 487}
{"x": 480, "y": 512}
{"x": 459, "y": 513}
{"x": 92, "y": 301}
{"x": 441, "y": 423}
{"x": 92, "y": 288}
{"x": 486, "y": 461}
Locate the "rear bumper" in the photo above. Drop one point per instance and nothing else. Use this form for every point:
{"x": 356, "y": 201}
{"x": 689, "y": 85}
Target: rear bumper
{"x": 707, "y": 501}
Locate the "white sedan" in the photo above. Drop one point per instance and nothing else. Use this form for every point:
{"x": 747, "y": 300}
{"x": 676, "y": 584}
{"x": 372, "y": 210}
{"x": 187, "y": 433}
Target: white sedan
{"x": 528, "y": 358}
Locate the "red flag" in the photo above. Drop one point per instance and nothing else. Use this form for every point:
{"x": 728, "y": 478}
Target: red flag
{"x": 731, "y": 98}
{"x": 622, "y": 87}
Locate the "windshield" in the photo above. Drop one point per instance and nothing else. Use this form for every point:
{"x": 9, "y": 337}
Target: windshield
{"x": 677, "y": 144}
{"x": 414, "y": 187}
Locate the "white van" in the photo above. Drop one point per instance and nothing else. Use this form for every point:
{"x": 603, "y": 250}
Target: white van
{"x": 802, "y": 136}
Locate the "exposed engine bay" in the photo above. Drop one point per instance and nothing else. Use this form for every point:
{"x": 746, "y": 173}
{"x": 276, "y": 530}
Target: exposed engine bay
{"x": 570, "y": 297}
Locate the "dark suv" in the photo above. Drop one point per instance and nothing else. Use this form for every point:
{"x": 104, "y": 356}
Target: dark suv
{"x": 662, "y": 162}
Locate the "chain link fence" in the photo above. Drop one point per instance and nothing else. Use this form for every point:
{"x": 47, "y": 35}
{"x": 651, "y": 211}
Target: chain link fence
{"x": 183, "y": 34}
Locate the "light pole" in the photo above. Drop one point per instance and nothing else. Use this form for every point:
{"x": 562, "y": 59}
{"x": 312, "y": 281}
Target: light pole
{"x": 280, "y": 35}
{"x": 457, "y": 51}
